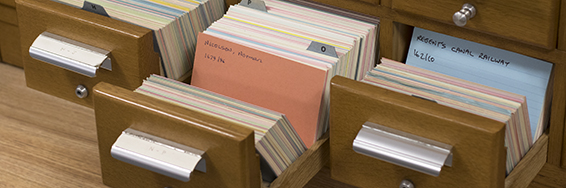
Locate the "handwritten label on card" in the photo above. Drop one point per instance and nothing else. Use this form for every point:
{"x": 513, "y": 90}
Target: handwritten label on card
{"x": 483, "y": 64}
{"x": 234, "y": 54}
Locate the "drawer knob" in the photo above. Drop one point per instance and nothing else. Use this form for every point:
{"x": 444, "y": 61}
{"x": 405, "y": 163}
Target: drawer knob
{"x": 406, "y": 184}
{"x": 81, "y": 91}
{"x": 461, "y": 17}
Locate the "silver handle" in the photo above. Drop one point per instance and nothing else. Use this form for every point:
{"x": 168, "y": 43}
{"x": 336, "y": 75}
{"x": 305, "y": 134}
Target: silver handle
{"x": 461, "y": 17}
{"x": 403, "y": 149}
{"x": 158, "y": 155}
{"x": 69, "y": 54}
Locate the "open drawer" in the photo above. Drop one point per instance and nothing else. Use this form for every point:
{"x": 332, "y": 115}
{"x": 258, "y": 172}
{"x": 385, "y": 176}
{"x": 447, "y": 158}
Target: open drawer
{"x": 473, "y": 146}
{"x": 129, "y": 49}
{"x": 229, "y": 151}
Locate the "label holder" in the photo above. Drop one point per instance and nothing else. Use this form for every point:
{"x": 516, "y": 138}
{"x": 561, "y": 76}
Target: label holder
{"x": 70, "y": 54}
{"x": 158, "y": 155}
{"x": 403, "y": 149}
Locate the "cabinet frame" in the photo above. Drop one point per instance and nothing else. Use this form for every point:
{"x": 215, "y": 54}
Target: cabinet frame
{"x": 395, "y": 26}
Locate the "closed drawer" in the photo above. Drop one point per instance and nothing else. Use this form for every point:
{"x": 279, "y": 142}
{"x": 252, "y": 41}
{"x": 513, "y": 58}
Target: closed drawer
{"x": 230, "y": 153}
{"x": 532, "y": 22}
{"x": 10, "y": 44}
{"x": 131, "y": 48}
{"x": 477, "y": 143}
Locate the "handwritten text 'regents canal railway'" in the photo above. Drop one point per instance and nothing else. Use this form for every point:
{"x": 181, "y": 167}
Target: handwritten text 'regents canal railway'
{"x": 455, "y": 49}
{"x": 217, "y": 58}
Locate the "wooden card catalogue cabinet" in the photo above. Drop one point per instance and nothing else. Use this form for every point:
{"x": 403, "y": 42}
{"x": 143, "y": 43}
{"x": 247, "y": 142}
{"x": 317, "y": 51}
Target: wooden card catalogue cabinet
{"x": 9, "y": 34}
{"x": 229, "y": 151}
{"x": 130, "y": 49}
{"x": 534, "y": 29}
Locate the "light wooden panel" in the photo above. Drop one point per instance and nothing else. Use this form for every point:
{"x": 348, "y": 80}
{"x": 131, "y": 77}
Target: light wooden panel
{"x": 46, "y": 141}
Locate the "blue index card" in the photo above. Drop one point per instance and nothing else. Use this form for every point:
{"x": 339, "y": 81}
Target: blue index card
{"x": 485, "y": 65}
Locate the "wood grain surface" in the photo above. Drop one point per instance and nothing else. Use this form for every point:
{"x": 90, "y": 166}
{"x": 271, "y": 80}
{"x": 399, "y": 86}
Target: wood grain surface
{"x": 50, "y": 142}
{"x": 46, "y": 141}
{"x": 230, "y": 151}
{"x": 478, "y": 142}
{"x": 10, "y": 43}
{"x": 10, "y": 3}
{"x": 529, "y": 166}
{"x": 131, "y": 48}
{"x": 535, "y": 23}
{"x": 47, "y": 119}
{"x": 8, "y": 15}
{"x": 505, "y": 23}
{"x": 314, "y": 158}
{"x": 550, "y": 176}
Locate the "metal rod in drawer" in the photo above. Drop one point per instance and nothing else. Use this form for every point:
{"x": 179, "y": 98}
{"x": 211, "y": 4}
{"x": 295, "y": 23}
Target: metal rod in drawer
{"x": 158, "y": 155}
{"x": 70, "y": 54}
{"x": 403, "y": 149}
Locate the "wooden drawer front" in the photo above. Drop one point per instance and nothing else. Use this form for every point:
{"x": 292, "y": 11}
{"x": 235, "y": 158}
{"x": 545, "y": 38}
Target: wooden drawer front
{"x": 130, "y": 46}
{"x": 8, "y": 15}
{"x": 10, "y": 44}
{"x": 230, "y": 155}
{"x": 477, "y": 143}
{"x": 229, "y": 150}
{"x": 10, "y": 3}
{"x": 372, "y": 2}
{"x": 532, "y": 22}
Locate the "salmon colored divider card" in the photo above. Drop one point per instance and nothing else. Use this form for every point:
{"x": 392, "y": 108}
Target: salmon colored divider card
{"x": 267, "y": 80}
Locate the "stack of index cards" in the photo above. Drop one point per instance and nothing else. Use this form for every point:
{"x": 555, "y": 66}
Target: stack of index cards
{"x": 276, "y": 140}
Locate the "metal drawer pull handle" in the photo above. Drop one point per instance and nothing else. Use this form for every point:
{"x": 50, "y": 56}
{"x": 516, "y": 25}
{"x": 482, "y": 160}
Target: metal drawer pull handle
{"x": 158, "y": 155}
{"x": 461, "y": 17}
{"x": 70, "y": 54}
{"x": 403, "y": 149}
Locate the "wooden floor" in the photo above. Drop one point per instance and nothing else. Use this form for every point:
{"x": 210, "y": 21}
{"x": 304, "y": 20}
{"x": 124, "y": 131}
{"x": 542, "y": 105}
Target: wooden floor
{"x": 49, "y": 142}
{"x": 44, "y": 141}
